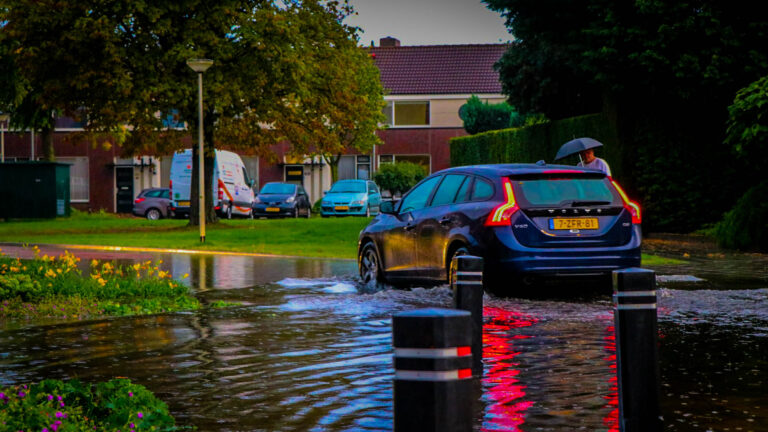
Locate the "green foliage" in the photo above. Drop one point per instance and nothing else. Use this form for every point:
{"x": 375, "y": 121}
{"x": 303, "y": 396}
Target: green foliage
{"x": 76, "y": 406}
{"x": 748, "y": 125}
{"x": 479, "y": 116}
{"x": 746, "y": 225}
{"x": 399, "y": 177}
{"x": 46, "y": 287}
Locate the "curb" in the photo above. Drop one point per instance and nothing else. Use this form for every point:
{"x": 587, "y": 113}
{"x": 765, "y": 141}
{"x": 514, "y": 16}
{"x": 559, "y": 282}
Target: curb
{"x": 161, "y": 250}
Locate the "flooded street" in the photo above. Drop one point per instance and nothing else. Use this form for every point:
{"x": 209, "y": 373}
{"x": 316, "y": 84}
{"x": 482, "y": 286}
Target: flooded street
{"x": 310, "y": 349}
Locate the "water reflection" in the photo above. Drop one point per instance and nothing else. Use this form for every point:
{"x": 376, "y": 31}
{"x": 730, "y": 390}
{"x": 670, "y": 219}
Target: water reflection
{"x": 310, "y": 349}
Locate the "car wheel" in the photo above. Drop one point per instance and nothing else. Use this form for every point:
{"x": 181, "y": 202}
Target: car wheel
{"x": 369, "y": 265}
{"x": 309, "y": 213}
{"x": 153, "y": 214}
{"x": 451, "y": 270}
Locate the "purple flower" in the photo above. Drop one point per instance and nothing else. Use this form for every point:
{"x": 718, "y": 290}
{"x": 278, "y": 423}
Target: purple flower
{"x": 45, "y": 430}
{"x": 140, "y": 414}
{"x": 130, "y": 394}
{"x": 59, "y": 398}
{"x": 132, "y": 426}
{"x": 60, "y": 414}
{"x": 62, "y": 404}
{"x": 21, "y": 394}
{"x": 50, "y": 397}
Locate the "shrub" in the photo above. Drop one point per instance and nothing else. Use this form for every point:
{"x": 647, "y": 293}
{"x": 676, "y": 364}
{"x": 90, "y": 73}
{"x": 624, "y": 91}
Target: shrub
{"x": 746, "y": 225}
{"x": 72, "y": 405}
{"x": 481, "y": 116}
{"x": 399, "y": 177}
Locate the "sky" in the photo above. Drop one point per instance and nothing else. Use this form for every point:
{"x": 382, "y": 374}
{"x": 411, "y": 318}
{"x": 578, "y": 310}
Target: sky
{"x": 428, "y": 22}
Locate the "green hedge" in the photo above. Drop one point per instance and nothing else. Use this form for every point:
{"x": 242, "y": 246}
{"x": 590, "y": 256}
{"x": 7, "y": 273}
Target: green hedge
{"x": 538, "y": 142}
{"x": 746, "y": 225}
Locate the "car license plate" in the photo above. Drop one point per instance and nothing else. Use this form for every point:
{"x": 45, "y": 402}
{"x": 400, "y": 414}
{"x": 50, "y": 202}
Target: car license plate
{"x": 182, "y": 203}
{"x": 573, "y": 223}
{"x": 337, "y": 208}
{"x": 273, "y": 209}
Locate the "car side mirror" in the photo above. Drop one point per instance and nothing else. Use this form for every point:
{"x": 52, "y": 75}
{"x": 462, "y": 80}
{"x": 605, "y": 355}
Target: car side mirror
{"x": 387, "y": 207}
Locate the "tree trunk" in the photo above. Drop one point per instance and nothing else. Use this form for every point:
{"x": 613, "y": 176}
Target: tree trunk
{"x": 333, "y": 162}
{"x": 46, "y": 138}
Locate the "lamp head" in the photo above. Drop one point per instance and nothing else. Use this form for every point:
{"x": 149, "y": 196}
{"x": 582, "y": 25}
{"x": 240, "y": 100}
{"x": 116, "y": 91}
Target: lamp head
{"x": 199, "y": 65}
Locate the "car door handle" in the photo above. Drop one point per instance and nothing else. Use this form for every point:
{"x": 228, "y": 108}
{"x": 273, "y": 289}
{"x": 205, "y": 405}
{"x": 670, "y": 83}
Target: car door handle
{"x": 445, "y": 221}
{"x": 409, "y": 227}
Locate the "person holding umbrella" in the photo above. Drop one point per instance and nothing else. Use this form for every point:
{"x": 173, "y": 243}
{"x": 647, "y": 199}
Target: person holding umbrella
{"x": 585, "y": 147}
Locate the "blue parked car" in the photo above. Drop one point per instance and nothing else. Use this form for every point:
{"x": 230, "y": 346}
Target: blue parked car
{"x": 351, "y": 197}
{"x": 526, "y": 220}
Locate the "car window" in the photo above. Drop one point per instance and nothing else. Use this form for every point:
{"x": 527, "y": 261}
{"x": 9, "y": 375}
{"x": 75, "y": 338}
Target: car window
{"x": 463, "y": 194}
{"x": 372, "y": 189}
{"x": 417, "y": 197}
{"x": 481, "y": 190}
{"x": 278, "y": 189}
{"x": 166, "y": 194}
{"x": 554, "y": 192}
{"x": 301, "y": 191}
{"x": 446, "y": 192}
{"x": 351, "y": 186}
{"x": 152, "y": 194}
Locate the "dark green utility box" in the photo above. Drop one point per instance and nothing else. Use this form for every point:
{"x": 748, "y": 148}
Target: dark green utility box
{"x": 34, "y": 189}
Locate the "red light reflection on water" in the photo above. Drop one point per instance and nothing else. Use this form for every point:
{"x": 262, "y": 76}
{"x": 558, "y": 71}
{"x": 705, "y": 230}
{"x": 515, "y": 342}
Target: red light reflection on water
{"x": 611, "y": 421}
{"x": 506, "y": 407}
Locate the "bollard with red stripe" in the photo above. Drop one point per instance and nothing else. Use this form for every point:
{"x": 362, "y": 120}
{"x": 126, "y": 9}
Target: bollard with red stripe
{"x": 467, "y": 286}
{"x": 433, "y": 370}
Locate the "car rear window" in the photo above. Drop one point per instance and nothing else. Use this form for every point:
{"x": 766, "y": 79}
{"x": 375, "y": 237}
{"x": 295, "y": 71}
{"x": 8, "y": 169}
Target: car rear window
{"x": 562, "y": 191}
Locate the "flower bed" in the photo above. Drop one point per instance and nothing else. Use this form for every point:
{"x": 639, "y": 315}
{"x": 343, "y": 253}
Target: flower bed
{"x": 53, "y": 405}
{"x": 54, "y": 287}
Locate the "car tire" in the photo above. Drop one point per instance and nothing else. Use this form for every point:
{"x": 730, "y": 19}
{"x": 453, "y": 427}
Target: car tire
{"x": 369, "y": 265}
{"x": 309, "y": 213}
{"x": 153, "y": 214}
{"x": 459, "y": 251}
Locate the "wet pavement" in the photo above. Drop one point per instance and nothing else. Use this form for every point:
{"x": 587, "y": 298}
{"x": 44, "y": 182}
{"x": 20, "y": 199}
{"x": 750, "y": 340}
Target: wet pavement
{"x": 310, "y": 349}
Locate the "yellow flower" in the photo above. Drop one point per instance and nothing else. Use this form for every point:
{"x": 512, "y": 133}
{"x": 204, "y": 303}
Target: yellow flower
{"x": 101, "y": 281}
{"x": 94, "y": 263}
{"x": 50, "y": 273}
{"x": 186, "y": 275}
{"x": 161, "y": 274}
{"x": 58, "y": 271}
{"x": 136, "y": 266}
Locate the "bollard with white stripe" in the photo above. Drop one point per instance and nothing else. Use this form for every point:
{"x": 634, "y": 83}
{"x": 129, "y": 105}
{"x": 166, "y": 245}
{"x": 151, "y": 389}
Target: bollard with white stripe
{"x": 433, "y": 370}
{"x": 467, "y": 286}
{"x": 634, "y": 298}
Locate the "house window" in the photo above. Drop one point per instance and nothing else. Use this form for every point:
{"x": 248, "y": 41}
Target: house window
{"x": 407, "y": 113}
{"x": 364, "y": 167}
{"x": 355, "y": 167}
{"x": 78, "y": 178}
{"x": 422, "y": 160}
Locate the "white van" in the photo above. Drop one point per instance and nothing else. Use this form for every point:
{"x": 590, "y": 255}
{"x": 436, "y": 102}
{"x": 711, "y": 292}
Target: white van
{"x": 234, "y": 193}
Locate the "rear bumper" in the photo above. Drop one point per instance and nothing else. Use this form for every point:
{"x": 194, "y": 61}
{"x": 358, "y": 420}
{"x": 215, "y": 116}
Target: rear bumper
{"x": 260, "y": 210}
{"x": 513, "y": 257}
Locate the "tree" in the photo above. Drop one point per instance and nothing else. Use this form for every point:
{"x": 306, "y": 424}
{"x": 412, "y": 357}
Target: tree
{"x": 663, "y": 72}
{"x": 57, "y": 58}
{"x": 479, "y": 116}
{"x": 399, "y": 177}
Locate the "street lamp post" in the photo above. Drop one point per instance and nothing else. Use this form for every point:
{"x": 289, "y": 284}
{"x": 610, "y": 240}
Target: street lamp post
{"x": 200, "y": 66}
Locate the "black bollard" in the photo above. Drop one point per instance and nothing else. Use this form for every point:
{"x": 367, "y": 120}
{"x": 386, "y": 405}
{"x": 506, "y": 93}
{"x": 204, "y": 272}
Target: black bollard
{"x": 637, "y": 359}
{"x": 467, "y": 286}
{"x": 433, "y": 375}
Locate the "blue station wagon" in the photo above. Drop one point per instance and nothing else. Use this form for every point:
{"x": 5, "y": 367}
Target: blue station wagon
{"x": 525, "y": 220}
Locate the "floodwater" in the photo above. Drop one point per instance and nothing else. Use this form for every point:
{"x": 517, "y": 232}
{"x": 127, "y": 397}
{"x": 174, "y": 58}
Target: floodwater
{"x": 310, "y": 349}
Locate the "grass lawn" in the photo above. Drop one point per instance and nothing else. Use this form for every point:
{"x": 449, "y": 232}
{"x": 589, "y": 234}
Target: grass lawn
{"x": 316, "y": 237}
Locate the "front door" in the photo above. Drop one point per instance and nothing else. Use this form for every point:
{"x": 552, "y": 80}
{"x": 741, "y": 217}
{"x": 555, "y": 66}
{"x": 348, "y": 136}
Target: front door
{"x": 124, "y": 183}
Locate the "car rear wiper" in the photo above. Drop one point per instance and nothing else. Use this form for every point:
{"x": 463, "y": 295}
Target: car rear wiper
{"x": 588, "y": 203}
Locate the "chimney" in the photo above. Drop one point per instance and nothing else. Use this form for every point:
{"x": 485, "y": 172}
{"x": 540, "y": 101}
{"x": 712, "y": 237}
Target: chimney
{"x": 389, "y": 41}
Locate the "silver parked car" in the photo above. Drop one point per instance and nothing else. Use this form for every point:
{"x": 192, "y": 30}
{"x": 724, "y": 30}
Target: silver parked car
{"x": 153, "y": 203}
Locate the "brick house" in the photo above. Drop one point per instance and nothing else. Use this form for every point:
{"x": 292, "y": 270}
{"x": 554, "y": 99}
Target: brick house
{"x": 425, "y": 87}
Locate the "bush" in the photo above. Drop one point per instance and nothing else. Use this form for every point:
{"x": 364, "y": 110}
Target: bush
{"x": 72, "y": 405}
{"x": 481, "y": 116}
{"x": 399, "y": 177}
{"x": 746, "y": 225}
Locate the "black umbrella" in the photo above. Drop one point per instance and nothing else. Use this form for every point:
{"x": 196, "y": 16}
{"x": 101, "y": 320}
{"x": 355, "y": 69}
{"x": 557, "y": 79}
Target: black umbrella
{"x": 577, "y": 145}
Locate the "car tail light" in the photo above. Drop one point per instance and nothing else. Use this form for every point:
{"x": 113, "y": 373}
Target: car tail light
{"x": 170, "y": 188}
{"x": 631, "y": 207}
{"x": 501, "y": 215}
{"x": 140, "y": 200}
{"x": 217, "y": 208}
